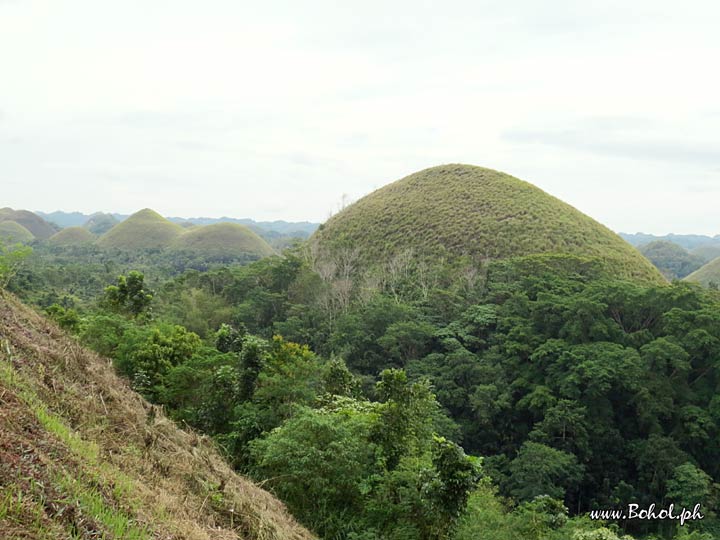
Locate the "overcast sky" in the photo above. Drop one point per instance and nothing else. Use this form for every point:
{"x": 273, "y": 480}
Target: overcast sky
{"x": 274, "y": 110}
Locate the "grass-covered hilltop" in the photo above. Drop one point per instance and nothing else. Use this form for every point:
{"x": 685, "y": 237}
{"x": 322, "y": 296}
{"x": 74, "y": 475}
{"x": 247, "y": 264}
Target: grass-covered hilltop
{"x": 145, "y": 229}
{"x": 222, "y": 240}
{"x": 39, "y": 228}
{"x": 454, "y": 211}
{"x": 148, "y": 230}
{"x": 72, "y": 236}
{"x": 11, "y": 231}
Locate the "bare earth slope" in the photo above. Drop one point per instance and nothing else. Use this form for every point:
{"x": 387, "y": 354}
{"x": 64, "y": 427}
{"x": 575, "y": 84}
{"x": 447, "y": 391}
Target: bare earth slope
{"x": 83, "y": 456}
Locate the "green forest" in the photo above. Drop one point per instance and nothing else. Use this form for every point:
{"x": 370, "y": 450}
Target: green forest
{"x": 494, "y": 399}
{"x": 458, "y": 355}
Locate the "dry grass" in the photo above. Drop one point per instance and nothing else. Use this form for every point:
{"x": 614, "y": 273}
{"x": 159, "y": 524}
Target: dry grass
{"x": 133, "y": 469}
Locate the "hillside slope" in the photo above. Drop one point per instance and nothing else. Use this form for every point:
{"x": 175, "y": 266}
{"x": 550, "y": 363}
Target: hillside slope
{"x": 100, "y": 223}
{"x": 40, "y": 228}
{"x": 226, "y": 240}
{"x": 707, "y": 252}
{"x": 72, "y": 236}
{"x": 707, "y": 274}
{"x": 12, "y": 232}
{"x": 674, "y": 261}
{"x": 452, "y": 211}
{"x": 82, "y": 456}
{"x": 145, "y": 229}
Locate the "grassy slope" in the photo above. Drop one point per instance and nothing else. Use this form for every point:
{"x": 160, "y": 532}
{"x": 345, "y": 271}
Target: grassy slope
{"x": 707, "y": 253}
{"x": 455, "y": 210}
{"x": 100, "y": 223}
{"x": 710, "y": 273}
{"x": 40, "y": 228}
{"x": 145, "y": 229}
{"x": 14, "y": 232}
{"x": 82, "y": 456}
{"x": 223, "y": 239}
{"x": 72, "y": 236}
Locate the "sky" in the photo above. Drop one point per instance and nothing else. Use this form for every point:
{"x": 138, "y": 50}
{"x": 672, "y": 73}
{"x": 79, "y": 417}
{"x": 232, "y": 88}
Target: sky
{"x": 283, "y": 109}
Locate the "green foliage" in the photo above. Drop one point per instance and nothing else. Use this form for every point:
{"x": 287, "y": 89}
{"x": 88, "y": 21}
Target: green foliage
{"x": 148, "y": 355}
{"x": 579, "y": 392}
{"x": 541, "y": 470}
{"x": 129, "y": 296}
{"x": 320, "y": 464}
{"x": 229, "y": 339}
{"x": 405, "y": 416}
{"x": 67, "y": 319}
{"x": 688, "y": 486}
{"x": 11, "y": 259}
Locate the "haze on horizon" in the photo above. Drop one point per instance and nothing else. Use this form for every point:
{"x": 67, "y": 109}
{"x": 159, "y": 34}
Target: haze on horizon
{"x": 276, "y": 110}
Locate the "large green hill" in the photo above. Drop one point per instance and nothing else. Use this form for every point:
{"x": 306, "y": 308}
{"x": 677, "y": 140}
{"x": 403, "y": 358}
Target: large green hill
{"x": 40, "y": 228}
{"x": 707, "y": 252}
{"x": 223, "y": 240}
{"x": 13, "y": 232}
{"x": 455, "y": 211}
{"x": 710, "y": 273}
{"x": 72, "y": 236}
{"x": 145, "y": 229}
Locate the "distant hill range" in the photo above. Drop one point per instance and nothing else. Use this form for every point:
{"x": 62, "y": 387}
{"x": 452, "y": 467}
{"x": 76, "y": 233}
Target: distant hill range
{"x": 687, "y": 241}
{"x": 692, "y": 257}
{"x": 270, "y": 230}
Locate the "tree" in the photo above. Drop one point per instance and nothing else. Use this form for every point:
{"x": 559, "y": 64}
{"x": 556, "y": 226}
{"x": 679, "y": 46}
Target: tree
{"x": 148, "y": 362}
{"x": 406, "y": 416}
{"x": 407, "y": 340}
{"x": 11, "y": 259}
{"x": 688, "y": 486}
{"x": 456, "y": 475}
{"x": 541, "y": 470}
{"x": 129, "y": 296}
{"x": 319, "y": 463}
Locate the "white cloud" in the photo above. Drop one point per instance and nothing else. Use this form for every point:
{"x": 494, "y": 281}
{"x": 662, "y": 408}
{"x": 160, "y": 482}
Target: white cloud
{"x": 273, "y": 110}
